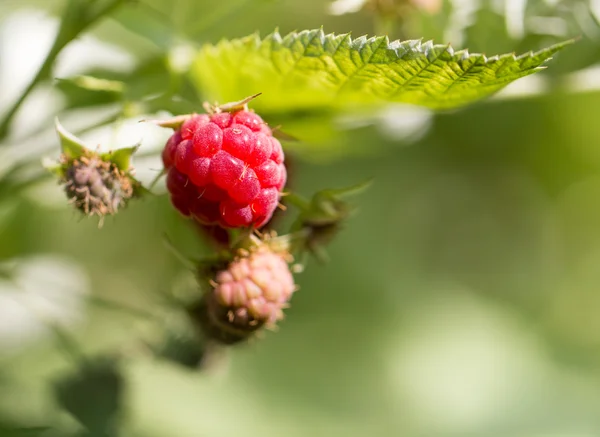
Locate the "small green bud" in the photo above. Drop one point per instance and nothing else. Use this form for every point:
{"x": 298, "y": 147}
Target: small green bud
{"x": 323, "y": 216}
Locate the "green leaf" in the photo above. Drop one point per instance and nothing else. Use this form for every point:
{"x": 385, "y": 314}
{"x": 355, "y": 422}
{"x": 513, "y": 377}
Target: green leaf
{"x": 71, "y": 146}
{"x": 139, "y": 190}
{"x": 91, "y": 83}
{"x": 100, "y": 412}
{"x": 329, "y": 206}
{"x": 121, "y": 157}
{"x": 341, "y": 193}
{"x": 310, "y": 70}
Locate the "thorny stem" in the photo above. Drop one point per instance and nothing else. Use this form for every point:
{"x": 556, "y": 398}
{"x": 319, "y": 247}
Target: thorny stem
{"x": 78, "y": 16}
{"x": 185, "y": 261}
{"x": 156, "y": 179}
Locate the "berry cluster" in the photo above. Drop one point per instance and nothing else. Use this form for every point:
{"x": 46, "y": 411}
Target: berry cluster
{"x": 225, "y": 169}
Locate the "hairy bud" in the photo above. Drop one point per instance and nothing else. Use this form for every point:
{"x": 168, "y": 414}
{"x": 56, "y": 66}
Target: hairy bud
{"x": 95, "y": 186}
{"x": 96, "y": 183}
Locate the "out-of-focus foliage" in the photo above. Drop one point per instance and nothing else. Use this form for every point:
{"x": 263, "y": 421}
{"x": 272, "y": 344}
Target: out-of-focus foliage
{"x": 460, "y": 299}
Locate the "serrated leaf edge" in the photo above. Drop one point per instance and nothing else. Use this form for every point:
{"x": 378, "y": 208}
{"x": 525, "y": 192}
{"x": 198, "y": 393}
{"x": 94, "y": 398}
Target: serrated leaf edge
{"x": 329, "y": 44}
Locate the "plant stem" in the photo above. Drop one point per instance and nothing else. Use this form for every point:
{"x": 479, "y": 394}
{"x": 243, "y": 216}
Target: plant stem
{"x": 78, "y": 16}
{"x": 102, "y": 302}
{"x": 40, "y": 76}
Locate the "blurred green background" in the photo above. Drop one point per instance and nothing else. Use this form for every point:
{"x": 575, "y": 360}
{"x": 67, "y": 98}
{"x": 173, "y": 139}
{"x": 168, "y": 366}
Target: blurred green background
{"x": 461, "y": 300}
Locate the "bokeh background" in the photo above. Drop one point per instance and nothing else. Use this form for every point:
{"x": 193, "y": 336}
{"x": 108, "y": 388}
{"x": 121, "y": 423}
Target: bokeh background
{"x": 462, "y": 299}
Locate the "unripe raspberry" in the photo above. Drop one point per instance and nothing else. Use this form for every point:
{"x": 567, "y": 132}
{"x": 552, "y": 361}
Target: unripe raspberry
{"x": 234, "y": 164}
{"x": 168, "y": 154}
{"x": 95, "y": 183}
{"x": 259, "y": 285}
{"x": 97, "y": 187}
{"x": 251, "y": 292}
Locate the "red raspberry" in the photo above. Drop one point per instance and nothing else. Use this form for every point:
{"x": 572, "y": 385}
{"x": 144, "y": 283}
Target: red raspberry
{"x": 225, "y": 169}
{"x": 189, "y": 127}
{"x": 168, "y": 154}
